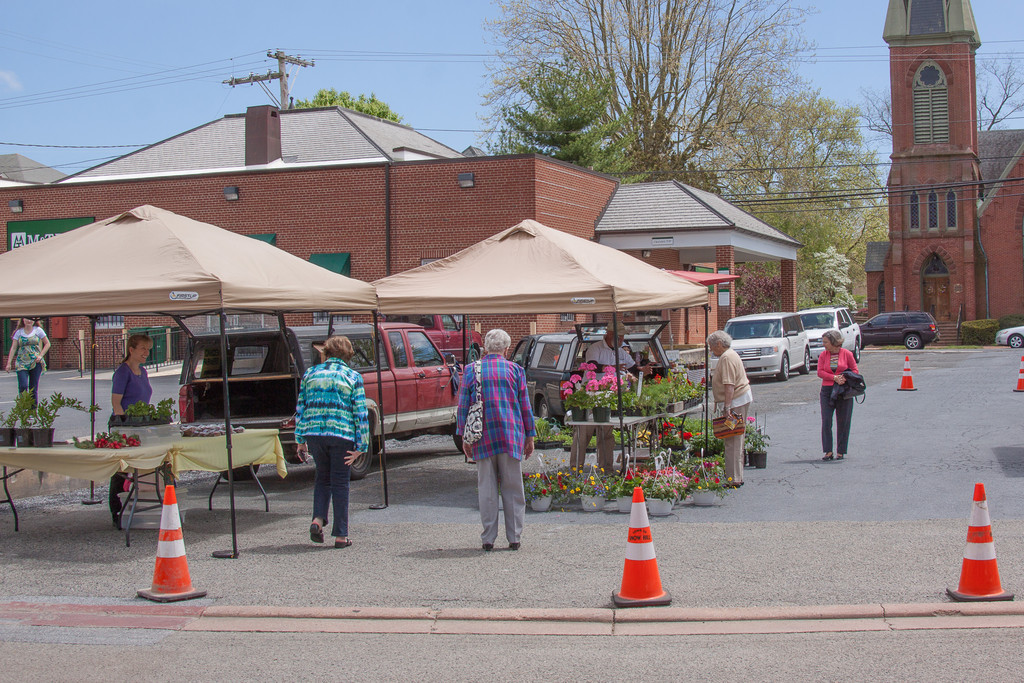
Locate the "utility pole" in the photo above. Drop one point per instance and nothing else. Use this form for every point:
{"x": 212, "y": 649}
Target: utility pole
{"x": 281, "y": 75}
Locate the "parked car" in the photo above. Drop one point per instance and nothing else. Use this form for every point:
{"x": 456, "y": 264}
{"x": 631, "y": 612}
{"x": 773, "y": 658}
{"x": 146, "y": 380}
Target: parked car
{"x": 550, "y": 359}
{"x": 770, "y": 344}
{"x": 817, "y": 320}
{"x": 266, "y": 366}
{"x": 1011, "y": 336}
{"x": 445, "y": 331}
{"x": 913, "y": 329}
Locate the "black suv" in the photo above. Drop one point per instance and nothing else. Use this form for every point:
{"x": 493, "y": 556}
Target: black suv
{"x": 913, "y": 329}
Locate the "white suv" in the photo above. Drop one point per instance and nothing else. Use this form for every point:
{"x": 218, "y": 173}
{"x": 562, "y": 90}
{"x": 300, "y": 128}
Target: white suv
{"x": 817, "y": 320}
{"x": 770, "y": 344}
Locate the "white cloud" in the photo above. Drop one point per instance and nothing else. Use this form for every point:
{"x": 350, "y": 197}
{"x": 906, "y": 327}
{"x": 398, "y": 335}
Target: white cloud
{"x": 9, "y": 78}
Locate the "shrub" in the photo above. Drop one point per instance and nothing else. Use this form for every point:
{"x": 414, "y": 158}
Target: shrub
{"x": 978, "y": 331}
{"x": 1012, "y": 320}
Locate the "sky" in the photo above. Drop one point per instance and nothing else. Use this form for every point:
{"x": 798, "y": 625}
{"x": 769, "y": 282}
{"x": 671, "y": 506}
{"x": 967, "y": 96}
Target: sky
{"x": 83, "y": 82}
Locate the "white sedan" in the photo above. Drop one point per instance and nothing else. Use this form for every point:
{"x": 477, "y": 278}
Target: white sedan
{"x": 1011, "y": 336}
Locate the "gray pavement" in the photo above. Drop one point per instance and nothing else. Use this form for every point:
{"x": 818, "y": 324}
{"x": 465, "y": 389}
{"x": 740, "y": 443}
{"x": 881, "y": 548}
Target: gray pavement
{"x": 886, "y": 526}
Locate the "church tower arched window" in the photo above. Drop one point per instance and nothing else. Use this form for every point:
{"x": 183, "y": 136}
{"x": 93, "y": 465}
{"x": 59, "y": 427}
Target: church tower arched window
{"x": 915, "y": 212}
{"x": 950, "y": 210}
{"x": 933, "y": 211}
{"x": 931, "y": 105}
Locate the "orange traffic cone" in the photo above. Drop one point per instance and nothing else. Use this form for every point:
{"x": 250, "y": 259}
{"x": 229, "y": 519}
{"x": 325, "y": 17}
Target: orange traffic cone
{"x": 171, "y": 581}
{"x": 908, "y": 380}
{"x": 979, "y": 576}
{"x": 1020, "y": 376}
{"x": 641, "y": 582}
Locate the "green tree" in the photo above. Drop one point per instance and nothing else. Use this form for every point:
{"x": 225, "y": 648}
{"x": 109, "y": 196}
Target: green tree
{"x": 329, "y": 97}
{"x": 683, "y": 75}
{"x": 565, "y": 116}
{"x": 828, "y": 281}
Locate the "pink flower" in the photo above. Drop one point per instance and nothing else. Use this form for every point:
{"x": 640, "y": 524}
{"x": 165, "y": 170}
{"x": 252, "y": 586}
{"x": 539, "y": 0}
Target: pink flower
{"x": 750, "y": 419}
{"x": 590, "y": 375}
{"x": 575, "y": 378}
{"x": 593, "y": 385}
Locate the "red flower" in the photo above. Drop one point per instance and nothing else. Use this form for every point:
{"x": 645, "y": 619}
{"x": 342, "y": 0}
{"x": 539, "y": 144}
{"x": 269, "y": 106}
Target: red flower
{"x": 687, "y": 436}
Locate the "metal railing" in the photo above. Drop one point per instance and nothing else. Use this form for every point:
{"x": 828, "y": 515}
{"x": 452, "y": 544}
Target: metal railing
{"x": 169, "y": 346}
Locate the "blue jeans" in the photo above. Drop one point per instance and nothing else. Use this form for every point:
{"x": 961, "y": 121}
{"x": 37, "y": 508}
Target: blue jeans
{"x": 843, "y": 408}
{"x": 331, "y": 484}
{"x": 29, "y": 379}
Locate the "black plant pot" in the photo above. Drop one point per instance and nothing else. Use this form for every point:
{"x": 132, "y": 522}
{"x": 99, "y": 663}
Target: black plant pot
{"x": 759, "y": 459}
{"x": 42, "y": 437}
{"x": 6, "y": 437}
{"x": 23, "y": 437}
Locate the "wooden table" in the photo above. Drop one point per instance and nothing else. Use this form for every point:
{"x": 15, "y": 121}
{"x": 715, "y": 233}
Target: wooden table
{"x": 631, "y": 424}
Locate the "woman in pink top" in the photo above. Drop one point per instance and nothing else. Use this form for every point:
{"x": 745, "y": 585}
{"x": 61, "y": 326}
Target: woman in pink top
{"x": 831, "y": 364}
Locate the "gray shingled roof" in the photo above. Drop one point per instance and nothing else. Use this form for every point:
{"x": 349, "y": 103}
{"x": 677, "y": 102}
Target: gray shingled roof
{"x": 308, "y": 136}
{"x": 874, "y": 259}
{"x": 24, "y": 170}
{"x": 997, "y": 151}
{"x": 672, "y": 205}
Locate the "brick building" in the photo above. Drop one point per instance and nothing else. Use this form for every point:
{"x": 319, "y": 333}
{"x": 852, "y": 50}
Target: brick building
{"x": 358, "y": 195}
{"x": 956, "y": 197}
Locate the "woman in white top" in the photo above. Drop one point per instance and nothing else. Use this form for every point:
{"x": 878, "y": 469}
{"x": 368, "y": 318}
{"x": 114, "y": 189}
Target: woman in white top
{"x": 27, "y": 355}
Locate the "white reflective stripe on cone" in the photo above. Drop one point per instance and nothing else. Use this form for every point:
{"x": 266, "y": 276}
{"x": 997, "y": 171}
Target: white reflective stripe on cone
{"x": 638, "y": 516}
{"x": 979, "y": 514}
{"x": 980, "y": 551}
{"x": 169, "y": 519}
{"x": 639, "y": 551}
{"x": 168, "y": 549}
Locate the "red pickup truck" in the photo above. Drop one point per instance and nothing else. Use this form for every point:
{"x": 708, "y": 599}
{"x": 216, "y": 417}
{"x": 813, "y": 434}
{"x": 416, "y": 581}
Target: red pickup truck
{"x": 445, "y": 330}
{"x": 266, "y": 367}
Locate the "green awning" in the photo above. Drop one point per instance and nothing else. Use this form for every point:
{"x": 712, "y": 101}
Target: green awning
{"x": 268, "y": 237}
{"x": 340, "y": 263}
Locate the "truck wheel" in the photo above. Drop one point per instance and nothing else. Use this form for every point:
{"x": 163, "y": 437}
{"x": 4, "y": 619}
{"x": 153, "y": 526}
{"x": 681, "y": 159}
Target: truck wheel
{"x": 457, "y": 438}
{"x": 806, "y": 367}
{"x": 856, "y": 350}
{"x": 913, "y": 341}
{"x": 361, "y": 467}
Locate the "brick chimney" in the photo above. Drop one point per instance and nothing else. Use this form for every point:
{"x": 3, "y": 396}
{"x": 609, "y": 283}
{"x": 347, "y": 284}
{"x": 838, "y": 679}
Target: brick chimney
{"x": 262, "y": 135}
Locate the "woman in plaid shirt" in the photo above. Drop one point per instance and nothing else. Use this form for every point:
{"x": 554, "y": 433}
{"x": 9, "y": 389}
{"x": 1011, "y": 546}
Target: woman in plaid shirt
{"x": 331, "y": 423}
{"x": 507, "y": 437}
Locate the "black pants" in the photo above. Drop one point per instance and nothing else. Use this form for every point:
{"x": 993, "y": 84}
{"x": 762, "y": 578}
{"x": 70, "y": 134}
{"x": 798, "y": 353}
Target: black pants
{"x": 116, "y": 422}
{"x": 843, "y": 408}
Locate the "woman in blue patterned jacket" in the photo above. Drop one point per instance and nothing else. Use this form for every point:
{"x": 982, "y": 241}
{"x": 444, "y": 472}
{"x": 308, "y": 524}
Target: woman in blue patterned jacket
{"x": 331, "y": 424}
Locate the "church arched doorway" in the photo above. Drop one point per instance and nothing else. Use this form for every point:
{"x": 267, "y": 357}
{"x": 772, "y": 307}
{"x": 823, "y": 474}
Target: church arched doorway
{"x": 935, "y": 288}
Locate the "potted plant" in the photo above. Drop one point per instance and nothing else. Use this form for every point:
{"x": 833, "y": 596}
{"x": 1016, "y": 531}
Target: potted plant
{"x": 46, "y": 415}
{"x": 593, "y": 490}
{"x": 547, "y": 434}
{"x": 756, "y": 444}
{"x": 575, "y": 396}
{"x": 708, "y": 481}
{"x": 142, "y": 414}
{"x": 539, "y": 491}
{"x": 7, "y": 421}
{"x": 23, "y": 418}
{"x": 661, "y": 488}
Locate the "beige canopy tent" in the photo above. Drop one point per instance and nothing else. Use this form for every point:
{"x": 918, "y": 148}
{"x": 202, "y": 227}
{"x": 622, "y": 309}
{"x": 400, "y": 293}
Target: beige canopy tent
{"x": 152, "y": 261}
{"x": 531, "y": 268}
{"x": 149, "y": 260}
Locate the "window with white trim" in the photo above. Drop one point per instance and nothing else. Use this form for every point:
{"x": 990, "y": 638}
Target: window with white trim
{"x": 110, "y": 322}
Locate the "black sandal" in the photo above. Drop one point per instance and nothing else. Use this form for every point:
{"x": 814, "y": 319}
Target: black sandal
{"x": 840, "y": 456}
{"x": 316, "y": 533}
{"x": 342, "y": 544}
{"x": 829, "y": 456}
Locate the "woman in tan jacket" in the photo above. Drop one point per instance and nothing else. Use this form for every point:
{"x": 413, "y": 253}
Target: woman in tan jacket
{"x": 731, "y": 390}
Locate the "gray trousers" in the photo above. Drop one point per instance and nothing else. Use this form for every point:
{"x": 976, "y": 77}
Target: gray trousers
{"x": 509, "y": 472}
{"x": 734, "y": 448}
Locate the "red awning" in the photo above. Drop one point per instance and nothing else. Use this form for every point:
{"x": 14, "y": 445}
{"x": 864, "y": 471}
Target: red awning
{"x": 704, "y": 278}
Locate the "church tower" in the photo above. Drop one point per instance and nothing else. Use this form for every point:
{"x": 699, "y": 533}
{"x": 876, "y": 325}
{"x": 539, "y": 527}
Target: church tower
{"x": 933, "y": 263}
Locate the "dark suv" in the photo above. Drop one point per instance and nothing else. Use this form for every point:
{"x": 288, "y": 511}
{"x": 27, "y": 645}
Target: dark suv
{"x": 913, "y": 329}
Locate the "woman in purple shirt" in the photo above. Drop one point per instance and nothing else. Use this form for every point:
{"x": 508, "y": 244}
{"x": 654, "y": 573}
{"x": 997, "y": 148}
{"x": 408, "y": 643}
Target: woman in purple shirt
{"x": 130, "y": 385}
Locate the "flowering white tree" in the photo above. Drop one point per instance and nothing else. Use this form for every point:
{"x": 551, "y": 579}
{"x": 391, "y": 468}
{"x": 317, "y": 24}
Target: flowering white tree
{"x": 826, "y": 280}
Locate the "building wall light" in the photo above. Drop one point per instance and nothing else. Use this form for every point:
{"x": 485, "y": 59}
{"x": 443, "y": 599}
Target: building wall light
{"x": 231, "y": 193}
{"x": 16, "y": 206}
{"x": 646, "y": 253}
{"x": 466, "y": 180}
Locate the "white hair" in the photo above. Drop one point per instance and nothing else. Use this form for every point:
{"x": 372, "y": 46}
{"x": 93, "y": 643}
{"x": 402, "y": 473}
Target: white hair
{"x": 719, "y": 338}
{"x": 497, "y": 341}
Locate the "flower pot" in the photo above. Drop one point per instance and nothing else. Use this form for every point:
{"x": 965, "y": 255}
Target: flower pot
{"x": 592, "y": 503}
{"x": 6, "y": 437}
{"x": 544, "y": 445}
{"x": 759, "y": 459}
{"x": 23, "y": 437}
{"x": 42, "y": 437}
{"x": 602, "y": 414}
{"x": 542, "y": 504}
{"x": 624, "y": 504}
{"x": 704, "y": 498}
{"x": 658, "y": 507}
